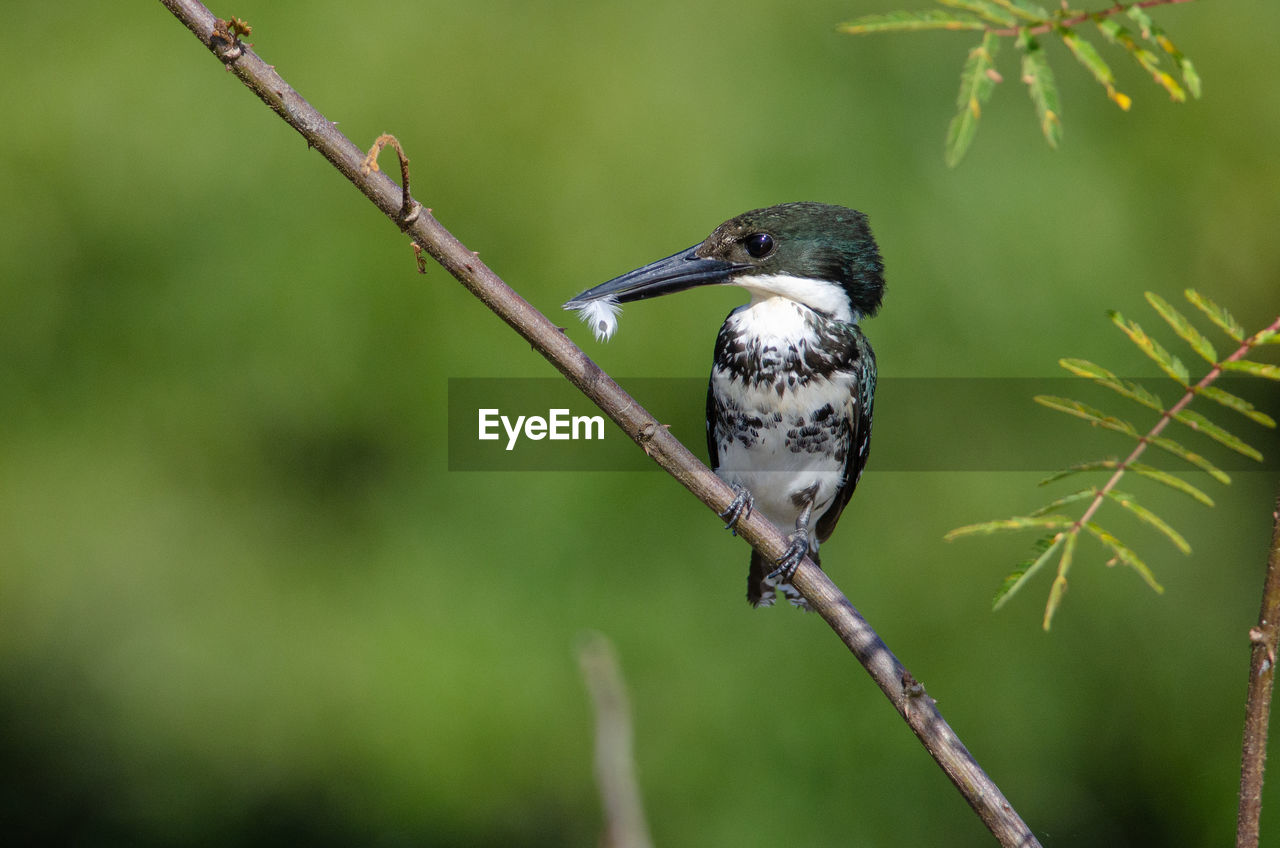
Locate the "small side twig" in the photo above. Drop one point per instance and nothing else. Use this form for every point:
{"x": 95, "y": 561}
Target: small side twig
{"x": 1067, "y": 23}
{"x": 1262, "y": 671}
{"x": 624, "y": 823}
{"x": 919, "y": 711}
{"x": 408, "y": 206}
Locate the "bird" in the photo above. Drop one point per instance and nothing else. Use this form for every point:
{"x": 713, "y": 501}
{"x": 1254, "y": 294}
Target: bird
{"x": 792, "y": 388}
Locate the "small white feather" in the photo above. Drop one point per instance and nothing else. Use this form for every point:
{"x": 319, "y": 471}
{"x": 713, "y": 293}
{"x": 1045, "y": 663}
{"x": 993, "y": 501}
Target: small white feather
{"x": 601, "y": 316}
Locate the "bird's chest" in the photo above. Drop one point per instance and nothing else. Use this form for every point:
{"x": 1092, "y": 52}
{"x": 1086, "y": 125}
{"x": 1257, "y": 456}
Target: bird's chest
{"x": 781, "y": 405}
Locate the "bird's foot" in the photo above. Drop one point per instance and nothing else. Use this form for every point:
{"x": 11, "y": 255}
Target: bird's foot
{"x": 797, "y": 550}
{"x": 739, "y": 509}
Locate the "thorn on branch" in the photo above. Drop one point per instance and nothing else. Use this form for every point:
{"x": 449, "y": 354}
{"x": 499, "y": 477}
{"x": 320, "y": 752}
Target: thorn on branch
{"x": 1259, "y": 636}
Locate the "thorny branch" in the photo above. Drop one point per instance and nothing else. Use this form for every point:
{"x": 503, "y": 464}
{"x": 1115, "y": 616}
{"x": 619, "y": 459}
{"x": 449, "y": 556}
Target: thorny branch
{"x": 907, "y": 696}
{"x": 1040, "y": 29}
{"x": 1262, "y": 672}
{"x": 615, "y": 764}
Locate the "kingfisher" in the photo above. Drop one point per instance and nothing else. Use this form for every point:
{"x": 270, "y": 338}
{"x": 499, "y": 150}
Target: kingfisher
{"x": 793, "y": 380}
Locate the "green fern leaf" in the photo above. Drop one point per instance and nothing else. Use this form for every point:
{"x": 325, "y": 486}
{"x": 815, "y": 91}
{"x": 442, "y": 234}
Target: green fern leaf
{"x": 1257, "y": 369}
{"x": 1239, "y": 404}
{"x": 1038, "y": 76}
{"x": 1086, "y": 54}
{"x": 1224, "y": 319}
{"x": 910, "y": 22}
{"x": 1157, "y": 36}
{"x": 976, "y": 85}
{"x": 1168, "y": 363}
{"x": 1103, "y": 377}
{"x": 1172, "y": 481}
{"x": 1169, "y": 445}
{"x": 1064, "y": 501}
{"x": 1113, "y": 32}
{"x": 1021, "y": 522}
{"x": 1184, "y": 328}
{"x": 1125, "y": 555}
{"x": 1163, "y": 477}
{"x": 1267, "y": 337}
{"x": 1088, "y": 413}
{"x": 1149, "y": 517}
{"x": 1079, "y": 469}
{"x": 1040, "y": 553}
{"x": 1026, "y": 10}
{"x": 988, "y": 9}
{"x": 1198, "y": 422}
{"x": 1059, "y": 587}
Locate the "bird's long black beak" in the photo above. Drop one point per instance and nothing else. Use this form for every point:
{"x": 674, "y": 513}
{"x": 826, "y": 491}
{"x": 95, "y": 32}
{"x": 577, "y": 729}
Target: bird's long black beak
{"x": 678, "y": 272}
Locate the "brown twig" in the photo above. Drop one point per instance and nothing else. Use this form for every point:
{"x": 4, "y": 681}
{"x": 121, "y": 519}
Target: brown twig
{"x": 919, "y": 710}
{"x": 1262, "y": 671}
{"x": 1040, "y": 29}
{"x": 624, "y": 824}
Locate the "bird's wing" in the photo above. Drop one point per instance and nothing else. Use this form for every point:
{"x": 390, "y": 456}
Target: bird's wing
{"x": 858, "y": 418}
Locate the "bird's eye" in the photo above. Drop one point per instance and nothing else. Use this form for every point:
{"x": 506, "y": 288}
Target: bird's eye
{"x": 759, "y": 244}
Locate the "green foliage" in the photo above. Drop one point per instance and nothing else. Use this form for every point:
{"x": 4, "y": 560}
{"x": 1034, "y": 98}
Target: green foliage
{"x": 911, "y": 22}
{"x": 1025, "y": 21}
{"x": 1050, "y": 516}
{"x": 1044, "y": 91}
{"x": 977, "y": 81}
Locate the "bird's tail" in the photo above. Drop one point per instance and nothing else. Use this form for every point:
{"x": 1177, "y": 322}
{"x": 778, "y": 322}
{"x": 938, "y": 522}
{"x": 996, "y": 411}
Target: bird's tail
{"x": 761, "y": 592}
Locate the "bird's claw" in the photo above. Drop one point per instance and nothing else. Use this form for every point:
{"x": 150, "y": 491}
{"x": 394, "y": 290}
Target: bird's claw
{"x": 797, "y": 550}
{"x": 739, "y": 509}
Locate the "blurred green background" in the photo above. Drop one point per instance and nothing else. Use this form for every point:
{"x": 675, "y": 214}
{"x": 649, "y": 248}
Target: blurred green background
{"x": 242, "y": 599}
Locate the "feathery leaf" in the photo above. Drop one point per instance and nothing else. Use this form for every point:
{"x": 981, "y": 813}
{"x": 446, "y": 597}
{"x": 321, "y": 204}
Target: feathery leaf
{"x": 1040, "y": 553}
{"x": 1088, "y": 413}
{"x": 1169, "y": 445}
{"x": 1151, "y": 518}
{"x": 1020, "y": 522}
{"x": 1198, "y": 422}
{"x": 1257, "y": 369}
{"x": 1239, "y": 404}
{"x": 1155, "y": 35}
{"x": 1026, "y": 10}
{"x": 1217, "y": 315}
{"x": 910, "y": 22}
{"x": 1125, "y": 555}
{"x": 1113, "y": 32}
{"x": 1172, "y": 481}
{"x": 1164, "y": 477}
{"x": 1087, "y": 55}
{"x": 1038, "y": 76}
{"x": 976, "y": 85}
{"x": 1168, "y": 363}
{"x": 1101, "y": 419}
{"x": 1064, "y": 501}
{"x": 1184, "y": 328}
{"x": 988, "y": 9}
{"x": 1103, "y": 377}
{"x": 1059, "y": 587}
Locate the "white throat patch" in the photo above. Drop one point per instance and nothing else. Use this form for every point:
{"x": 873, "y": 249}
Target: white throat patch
{"x": 818, "y": 295}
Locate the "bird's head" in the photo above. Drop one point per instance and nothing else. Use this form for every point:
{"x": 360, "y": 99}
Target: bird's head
{"x": 820, "y": 255}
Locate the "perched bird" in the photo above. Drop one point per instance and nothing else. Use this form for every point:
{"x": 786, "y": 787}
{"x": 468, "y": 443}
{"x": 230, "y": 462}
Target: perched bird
{"x": 793, "y": 380}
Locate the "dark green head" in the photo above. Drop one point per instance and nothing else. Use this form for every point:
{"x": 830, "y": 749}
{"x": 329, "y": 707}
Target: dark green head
{"x": 817, "y": 254}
